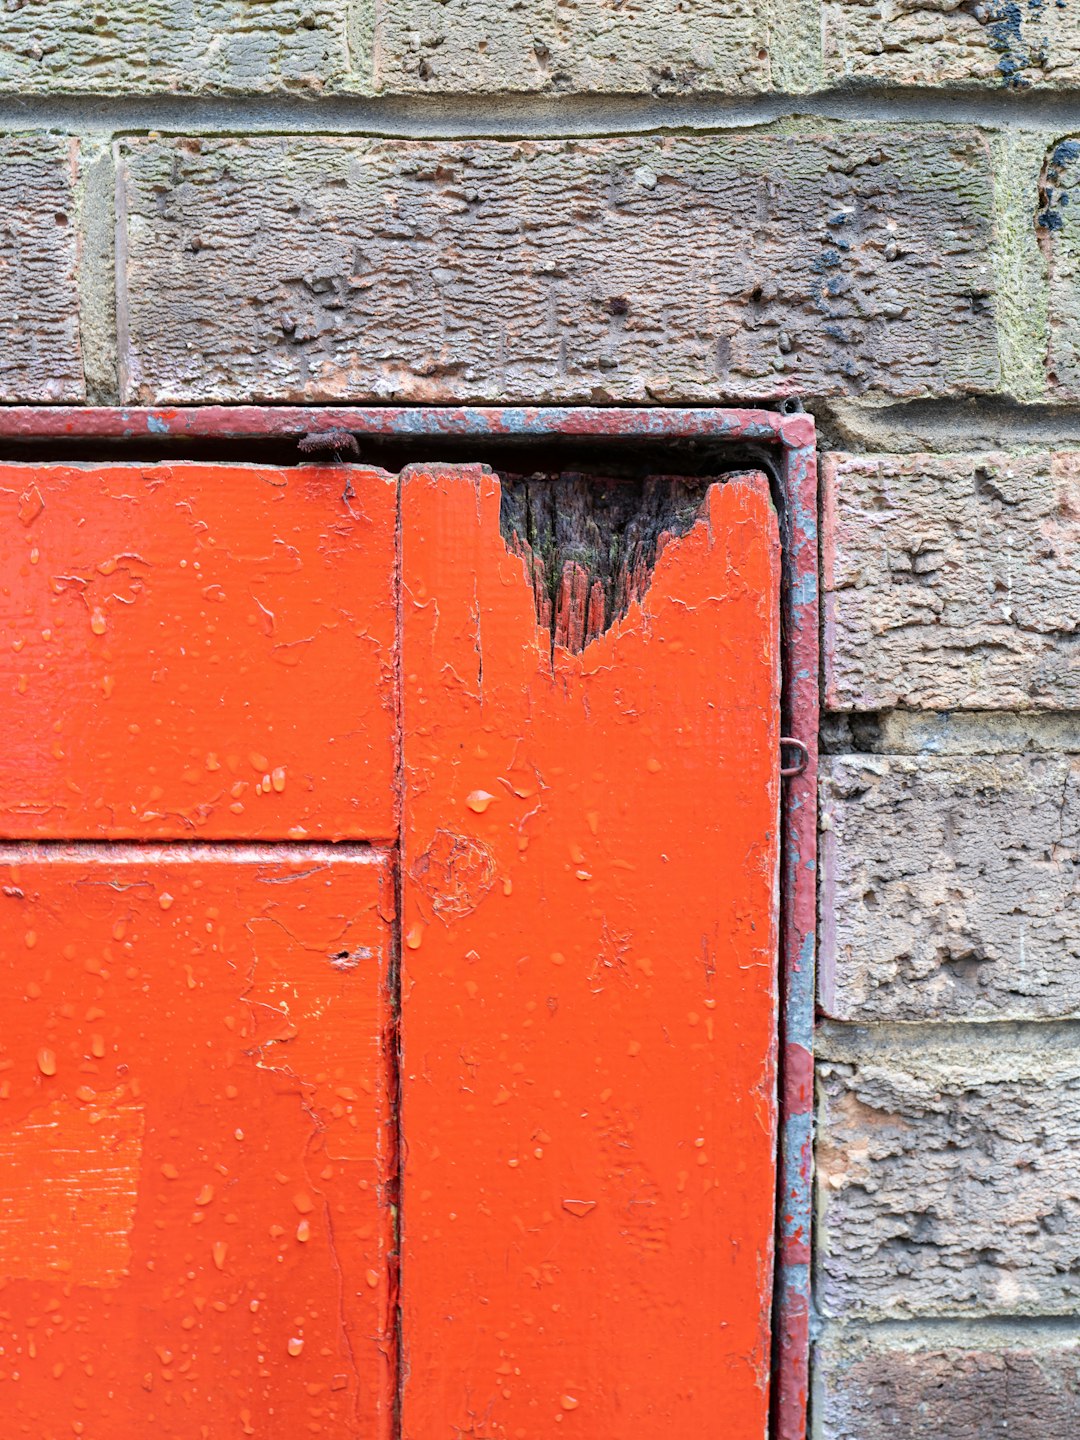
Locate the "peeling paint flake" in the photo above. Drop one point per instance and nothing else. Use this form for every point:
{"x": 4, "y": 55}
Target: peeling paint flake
{"x": 70, "y": 1177}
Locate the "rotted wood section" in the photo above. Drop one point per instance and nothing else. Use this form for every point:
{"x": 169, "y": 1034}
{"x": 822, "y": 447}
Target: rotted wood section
{"x": 589, "y": 983}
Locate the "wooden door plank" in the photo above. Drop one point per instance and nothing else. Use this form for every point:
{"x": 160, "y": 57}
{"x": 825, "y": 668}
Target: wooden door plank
{"x": 196, "y": 1148}
{"x": 196, "y": 650}
{"x": 589, "y": 984}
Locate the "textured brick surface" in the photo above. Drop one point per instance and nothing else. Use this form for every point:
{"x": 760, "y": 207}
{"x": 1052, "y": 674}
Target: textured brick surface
{"x": 917, "y": 42}
{"x": 951, "y": 886}
{"x": 953, "y": 732}
{"x": 950, "y": 1178}
{"x": 667, "y": 46}
{"x": 39, "y": 302}
{"x": 1058, "y": 225}
{"x": 951, "y": 581}
{"x": 1017, "y": 1387}
{"x": 167, "y": 45}
{"x": 677, "y": 269}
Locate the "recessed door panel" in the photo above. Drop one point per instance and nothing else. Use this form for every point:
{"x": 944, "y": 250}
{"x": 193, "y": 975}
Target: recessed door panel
{"x": 196, "y": 651}
{"x": 589, "y": 987}
{"x": 197, "y": 1148}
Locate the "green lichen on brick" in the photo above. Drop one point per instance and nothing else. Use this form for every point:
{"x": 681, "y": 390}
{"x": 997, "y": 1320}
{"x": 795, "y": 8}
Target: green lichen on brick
{"x": 1057, "y": 224}
{"x": 539, "y": 47}
{"x": 95, "y": 189}
{"x": 796, "y": 54}
{"x": 53, "y": 46}
{"x": 1019, "y": 265}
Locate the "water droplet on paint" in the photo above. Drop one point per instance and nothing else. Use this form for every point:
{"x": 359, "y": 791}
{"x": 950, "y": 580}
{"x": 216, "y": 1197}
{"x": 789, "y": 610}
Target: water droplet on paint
{"x": 165, "y": 900}
{"x": 303, "y": 1231}
{"x": 568, "y": 1402}
{"x": 205, "y": 1195}
{"x": 46, "y": 1060}
{"x": 478, "y": 801}
{"x": 295, "y": 1345}
{"x": 277, "y": 779}
{"x": 219, "y": 1252}
{"x": 97, "y": 621}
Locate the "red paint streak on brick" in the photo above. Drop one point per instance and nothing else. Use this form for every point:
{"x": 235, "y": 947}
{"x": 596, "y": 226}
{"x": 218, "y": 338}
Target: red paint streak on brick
{"x": 589, "y": 1107}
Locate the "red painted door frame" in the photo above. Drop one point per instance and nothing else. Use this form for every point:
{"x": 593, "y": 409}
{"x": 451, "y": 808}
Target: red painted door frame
{"x": 790, "y": 439}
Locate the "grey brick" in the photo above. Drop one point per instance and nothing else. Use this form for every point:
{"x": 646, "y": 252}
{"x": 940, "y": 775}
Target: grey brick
{"x": 668, "y": 46}
{"x": 992, "y": 44}
{"x": 168, "y": 45}
{"x": 39, "y": 300}
{"x": 664, "y": 269}
{"x": 949, "y": 1175}
{"x": 951, "y": 581}
{"x": 1010, "y": 1384}
{"x": 950, "y": 887}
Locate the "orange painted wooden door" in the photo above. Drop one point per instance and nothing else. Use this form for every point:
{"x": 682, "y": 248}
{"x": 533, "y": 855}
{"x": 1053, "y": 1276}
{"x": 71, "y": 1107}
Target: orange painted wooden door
{"x": 275, "y": 1161}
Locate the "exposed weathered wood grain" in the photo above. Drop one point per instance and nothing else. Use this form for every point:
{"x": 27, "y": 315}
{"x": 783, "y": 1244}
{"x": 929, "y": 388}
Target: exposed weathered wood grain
{"x": 1016, "y": 1386}
{"x": 39, "y": 302}
{"x": 591, "y": 543}
{"x": 950, "y": 886}
{"x": 950, "y": 1179}
{"x": 951, "y": 581}
{"x": 919, "y": 43}
{"x": 643, "y": 269}
{"x": 169, "y": 45}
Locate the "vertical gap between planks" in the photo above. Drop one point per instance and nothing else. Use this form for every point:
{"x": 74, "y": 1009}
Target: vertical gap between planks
{"x": 394, "y": 1046}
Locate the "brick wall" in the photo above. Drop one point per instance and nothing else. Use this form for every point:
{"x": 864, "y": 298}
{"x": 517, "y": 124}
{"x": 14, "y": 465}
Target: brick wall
{"x": 874, "y": 207}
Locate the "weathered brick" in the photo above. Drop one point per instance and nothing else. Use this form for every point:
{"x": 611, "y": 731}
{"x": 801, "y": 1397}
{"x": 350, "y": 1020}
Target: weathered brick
{"x": 668, "y": 46}
{"x": 1012, "y": 1384}
{"x": 951, "y": 581}
{"x": 994, "y": 42}
{"x": 170, "y": 45}
{"x": 665, "y": 269}
{"x": 39, "y": 301}
{"x": 1058, "y": 224}
{"x": 950, "y": 886}
{"x": 949, "y": 1174}
{"x": 952, "y": 732}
